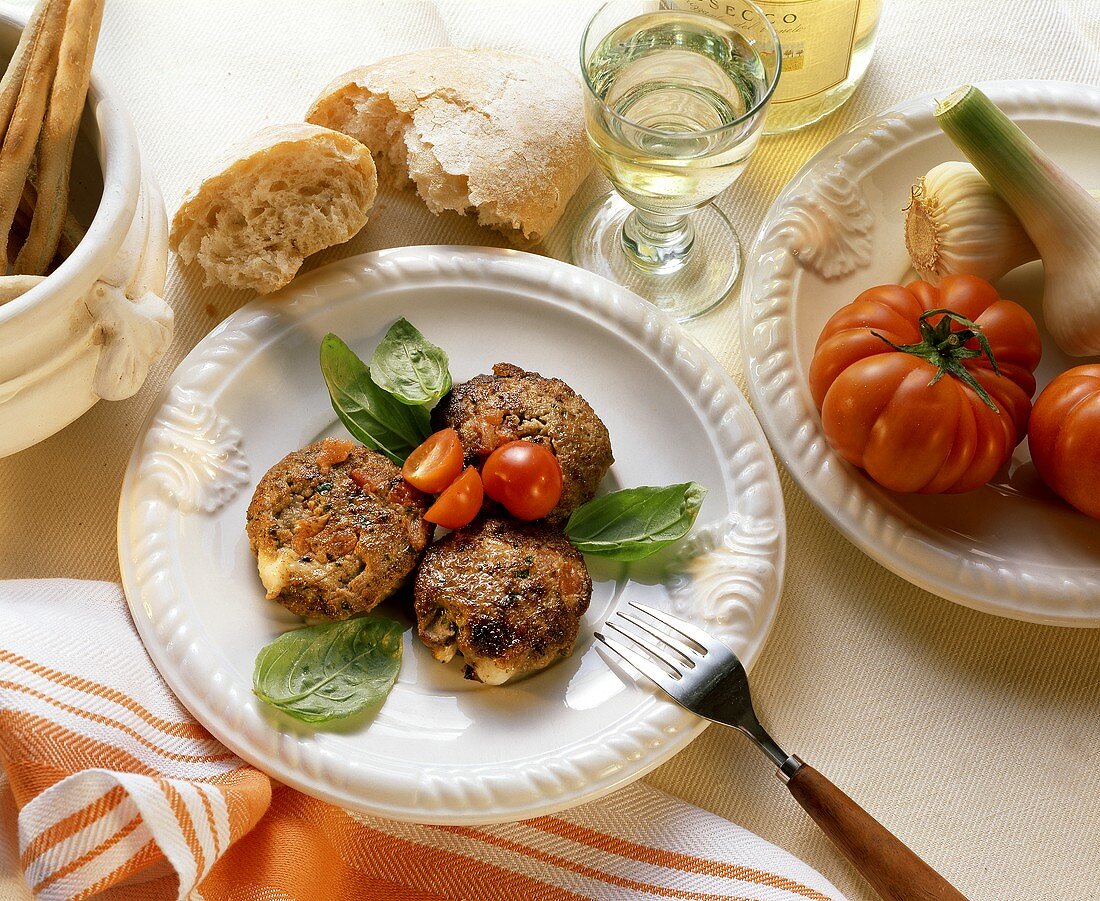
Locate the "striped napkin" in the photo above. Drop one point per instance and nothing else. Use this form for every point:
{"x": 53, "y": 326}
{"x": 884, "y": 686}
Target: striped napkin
{"x": 121, "y": 792}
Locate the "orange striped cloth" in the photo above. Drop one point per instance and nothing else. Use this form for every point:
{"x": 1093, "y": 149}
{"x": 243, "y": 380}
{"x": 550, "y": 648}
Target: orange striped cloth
{"x": 121, "y": 792}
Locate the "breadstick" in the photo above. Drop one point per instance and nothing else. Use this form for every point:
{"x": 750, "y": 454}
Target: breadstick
{"x": 71, "y": 235}
{"x": 58, "y": 138}
{"x": 12, "y": 286}
{"x": 12, "y": 81}
{"x": 26, "y": 121}
{"x": 72, "y": 232}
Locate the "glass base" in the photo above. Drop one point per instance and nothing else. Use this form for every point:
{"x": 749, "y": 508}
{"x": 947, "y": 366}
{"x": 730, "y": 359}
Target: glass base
{"x": 684, "y": 291}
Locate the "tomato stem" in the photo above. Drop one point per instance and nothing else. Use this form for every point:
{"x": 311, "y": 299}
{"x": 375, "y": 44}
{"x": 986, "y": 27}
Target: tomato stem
{"x": 946, "y": 348}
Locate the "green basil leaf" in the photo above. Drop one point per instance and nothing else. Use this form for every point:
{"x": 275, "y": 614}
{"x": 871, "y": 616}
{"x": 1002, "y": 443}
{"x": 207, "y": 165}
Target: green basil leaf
{"x": 330, "y": 671}
{"x": 633, "y": 523}
{"x": 372, "y": 415}
{"x": 410, "y": 367}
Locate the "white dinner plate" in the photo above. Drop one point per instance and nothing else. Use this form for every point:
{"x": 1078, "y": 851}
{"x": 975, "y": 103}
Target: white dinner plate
{"x": 1011, "y": 548}
{"x": 442, "y": 749}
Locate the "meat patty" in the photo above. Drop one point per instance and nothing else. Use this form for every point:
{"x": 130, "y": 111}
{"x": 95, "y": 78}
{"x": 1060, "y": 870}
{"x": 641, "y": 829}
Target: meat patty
{"x": 335, "y": 529}
{"x": 510, "y": 404}
{"x": 506, "y": 595}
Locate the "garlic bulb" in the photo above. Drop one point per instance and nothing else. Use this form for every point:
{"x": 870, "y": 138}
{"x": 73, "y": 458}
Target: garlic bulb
{"x": 957, "y": 224}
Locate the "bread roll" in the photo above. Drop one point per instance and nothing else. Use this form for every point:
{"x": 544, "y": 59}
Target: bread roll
{"x": 291, "y": 191}
{"x": 497, "y": 133}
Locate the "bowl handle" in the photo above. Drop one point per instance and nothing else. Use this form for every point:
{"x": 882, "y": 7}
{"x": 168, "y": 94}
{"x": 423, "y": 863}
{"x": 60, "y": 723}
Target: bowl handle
{"x": 133, "y": 334}
{"x": 133, "y": 324}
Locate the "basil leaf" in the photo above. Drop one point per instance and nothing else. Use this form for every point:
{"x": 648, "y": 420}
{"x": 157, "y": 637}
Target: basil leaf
{"x": 372, "y": 415}
{"x": 410, "y": 367}
{"x": 633, "y": 523}
{"x": 329, "y": 671}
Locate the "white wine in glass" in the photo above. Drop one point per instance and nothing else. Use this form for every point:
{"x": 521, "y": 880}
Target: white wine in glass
{"x": 674, "y": 105}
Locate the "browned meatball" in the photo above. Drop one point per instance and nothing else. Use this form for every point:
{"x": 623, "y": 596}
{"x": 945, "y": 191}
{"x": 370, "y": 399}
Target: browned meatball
{"x": 506, "y": 595}
{"x": 335, "y": 529}
{"x": 510, "y": 404}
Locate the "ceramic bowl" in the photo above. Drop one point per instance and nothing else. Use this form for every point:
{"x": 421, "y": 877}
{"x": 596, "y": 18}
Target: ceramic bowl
{"x": 1011, "y": 548}
{"x": 91, "y": 330}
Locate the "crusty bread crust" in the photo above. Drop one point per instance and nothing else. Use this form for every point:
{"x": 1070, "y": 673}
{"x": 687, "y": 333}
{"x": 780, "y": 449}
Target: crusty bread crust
{"x": 498, "y": 133}
{"x": 287, "y": 192}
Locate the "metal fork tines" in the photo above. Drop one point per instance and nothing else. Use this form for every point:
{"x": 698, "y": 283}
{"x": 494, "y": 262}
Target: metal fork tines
{"x": 694, "y": 669}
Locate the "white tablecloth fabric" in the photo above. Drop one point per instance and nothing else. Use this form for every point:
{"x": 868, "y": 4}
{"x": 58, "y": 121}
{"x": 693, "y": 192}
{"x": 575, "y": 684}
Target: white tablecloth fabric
{"x": 975, "y": 739}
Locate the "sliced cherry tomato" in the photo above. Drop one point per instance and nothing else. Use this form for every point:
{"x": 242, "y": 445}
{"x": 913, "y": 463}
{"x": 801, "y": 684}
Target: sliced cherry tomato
{"x": 459, "y": 504}
{"x": 525, "y": 477}
{"x": 436, "y": 463}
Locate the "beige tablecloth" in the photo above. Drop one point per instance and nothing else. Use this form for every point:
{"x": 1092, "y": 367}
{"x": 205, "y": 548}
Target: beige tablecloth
{"x": 975, "y": 739}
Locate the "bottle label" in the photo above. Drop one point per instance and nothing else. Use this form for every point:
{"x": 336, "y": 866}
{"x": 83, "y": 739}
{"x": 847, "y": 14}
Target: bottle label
{"x": 817, "y": 37}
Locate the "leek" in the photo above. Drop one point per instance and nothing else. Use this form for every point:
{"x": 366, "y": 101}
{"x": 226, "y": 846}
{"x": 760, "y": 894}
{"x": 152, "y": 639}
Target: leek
{"x": 1059, "y": 216}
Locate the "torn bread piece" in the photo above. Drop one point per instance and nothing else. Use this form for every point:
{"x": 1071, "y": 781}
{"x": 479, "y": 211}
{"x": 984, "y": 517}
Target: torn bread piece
{"x": 291, "y": 191}
{"x": 498, "y": 134}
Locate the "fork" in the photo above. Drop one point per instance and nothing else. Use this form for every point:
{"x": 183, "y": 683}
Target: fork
{"x": 701, "y": 674}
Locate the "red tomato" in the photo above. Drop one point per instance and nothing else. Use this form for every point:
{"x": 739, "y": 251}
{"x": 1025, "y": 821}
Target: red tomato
{"x": 879, "y": 408}
{"x": 436, "y": 463}
{"x": 459, "y": 504}
{"x": 525, "y": 477}
{"x": 1064, "y": 437}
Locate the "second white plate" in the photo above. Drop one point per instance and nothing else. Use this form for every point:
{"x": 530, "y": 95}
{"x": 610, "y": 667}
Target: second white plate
{"x": 442, "y": 749}
{"x": 1011, "y": 548}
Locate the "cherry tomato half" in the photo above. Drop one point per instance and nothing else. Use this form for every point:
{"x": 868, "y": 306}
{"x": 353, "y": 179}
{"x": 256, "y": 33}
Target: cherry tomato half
{"x": 525, "y": 477}
{"x": 436, "y": 463}
{"x": 459, "y": 504}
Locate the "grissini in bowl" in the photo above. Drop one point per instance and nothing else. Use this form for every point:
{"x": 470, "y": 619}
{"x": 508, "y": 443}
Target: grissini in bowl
{"x": 93, "y": 326}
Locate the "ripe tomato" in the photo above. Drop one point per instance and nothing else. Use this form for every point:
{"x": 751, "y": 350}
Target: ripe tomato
{"x": 459, "y": 503}
{"x": 1064, "y": 436}
{"x": 525, "y": 477}
{"x": 436, "y": 463}
{"x": 899, "y": 386}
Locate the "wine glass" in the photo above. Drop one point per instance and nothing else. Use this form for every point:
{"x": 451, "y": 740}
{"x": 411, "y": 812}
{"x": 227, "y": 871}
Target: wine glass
{"x": 674, "y": 104}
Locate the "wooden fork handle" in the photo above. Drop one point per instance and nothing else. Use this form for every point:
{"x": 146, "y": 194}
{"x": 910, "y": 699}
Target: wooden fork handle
{"x": 894, "y": 871}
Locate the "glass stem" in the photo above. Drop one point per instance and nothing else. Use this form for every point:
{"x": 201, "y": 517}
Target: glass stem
{"x": 658, "y": 243}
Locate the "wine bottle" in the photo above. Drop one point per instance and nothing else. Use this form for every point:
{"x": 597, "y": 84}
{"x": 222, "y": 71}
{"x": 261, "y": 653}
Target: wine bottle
{"x": 827, "y": 46}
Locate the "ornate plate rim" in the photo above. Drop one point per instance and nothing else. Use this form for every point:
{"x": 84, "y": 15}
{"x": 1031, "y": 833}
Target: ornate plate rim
{"x": 657, "y": 728}
{"x": 827, "y": 186}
